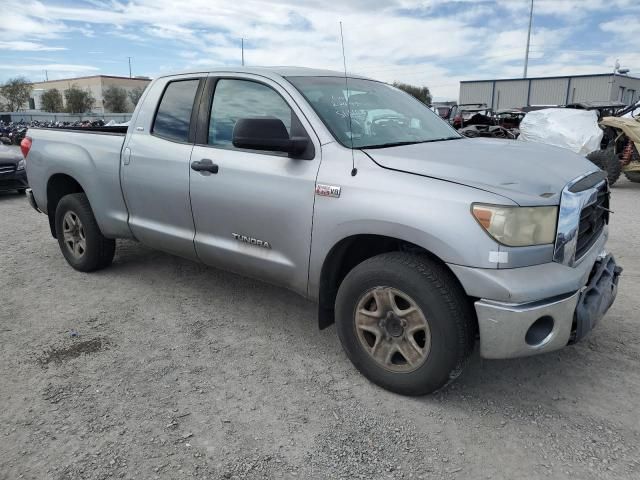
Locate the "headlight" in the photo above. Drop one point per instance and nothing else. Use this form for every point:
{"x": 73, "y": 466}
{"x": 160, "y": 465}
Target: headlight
{"x": 518, "y": 226}
{"x": 21, "y": 165}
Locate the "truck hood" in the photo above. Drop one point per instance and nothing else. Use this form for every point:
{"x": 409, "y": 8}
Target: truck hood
{"x": 527, "y": 173}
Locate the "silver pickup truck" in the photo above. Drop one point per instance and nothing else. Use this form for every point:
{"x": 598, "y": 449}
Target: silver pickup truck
{"x": 416, "y": 241}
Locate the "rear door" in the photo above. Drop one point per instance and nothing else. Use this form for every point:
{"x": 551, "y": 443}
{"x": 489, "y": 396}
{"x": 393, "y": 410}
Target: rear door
{"x": 155, "y": 167}
{"x": 254, "y": 215}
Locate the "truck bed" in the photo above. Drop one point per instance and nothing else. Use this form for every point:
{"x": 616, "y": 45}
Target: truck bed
{"x": 113, "y": 130}
{"x": 89, "y": 156}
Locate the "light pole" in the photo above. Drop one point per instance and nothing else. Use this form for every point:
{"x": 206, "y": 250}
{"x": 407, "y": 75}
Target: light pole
{"x": 526, "y": 55}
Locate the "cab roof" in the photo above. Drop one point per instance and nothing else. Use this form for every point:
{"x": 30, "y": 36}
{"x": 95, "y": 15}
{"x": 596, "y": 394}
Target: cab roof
{"x": 283, "y": 71}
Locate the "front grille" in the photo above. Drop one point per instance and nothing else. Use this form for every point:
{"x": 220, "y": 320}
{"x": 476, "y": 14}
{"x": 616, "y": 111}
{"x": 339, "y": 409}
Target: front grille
{"x": 7, "y": 168}
{"x": 593, "y": 218}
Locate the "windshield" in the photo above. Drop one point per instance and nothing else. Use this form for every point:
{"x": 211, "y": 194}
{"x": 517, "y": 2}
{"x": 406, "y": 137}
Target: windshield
{"x": 381, "y": 115}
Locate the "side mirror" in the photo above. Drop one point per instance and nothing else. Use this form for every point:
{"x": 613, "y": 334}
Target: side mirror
{"x": 267, "y": 134}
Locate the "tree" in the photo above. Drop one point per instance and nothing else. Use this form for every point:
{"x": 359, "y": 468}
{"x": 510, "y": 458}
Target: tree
{"x": 421, "y": 93}
{"x": 115, "y": 99}
{"x": 52, "y": 101}
{"x": 78, "y": 100}
{"x": 17, "y": 92}
{"x": 135, "y": 94}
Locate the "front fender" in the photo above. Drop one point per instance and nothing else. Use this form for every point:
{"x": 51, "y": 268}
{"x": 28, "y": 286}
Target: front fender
{"x": 430, "y": 213}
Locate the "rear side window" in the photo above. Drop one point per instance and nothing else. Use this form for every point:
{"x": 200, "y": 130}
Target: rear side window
{"x": 174, "y": 113}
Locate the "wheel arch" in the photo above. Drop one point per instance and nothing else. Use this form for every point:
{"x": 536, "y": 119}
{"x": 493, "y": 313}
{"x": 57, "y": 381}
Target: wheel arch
{"x": 59, "y": 185}
{"x": 350, "y": 252}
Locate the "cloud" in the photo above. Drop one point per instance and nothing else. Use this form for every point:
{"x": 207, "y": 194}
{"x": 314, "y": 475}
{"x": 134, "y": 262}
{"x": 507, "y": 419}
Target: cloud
{"x": 427, "y": 42}
{"x": 22, "y": 46}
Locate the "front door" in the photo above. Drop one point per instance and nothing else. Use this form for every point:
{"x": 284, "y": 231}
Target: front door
{"x": 252, "y": 209}
{"x": 155, "y": 170}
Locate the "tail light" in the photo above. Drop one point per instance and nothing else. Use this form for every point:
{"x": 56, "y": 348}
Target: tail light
{"x": 25, "y": 146}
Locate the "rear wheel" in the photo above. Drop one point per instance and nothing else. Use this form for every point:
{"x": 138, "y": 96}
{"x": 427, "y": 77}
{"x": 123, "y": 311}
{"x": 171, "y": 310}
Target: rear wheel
{"x": 21, "y": 191}
{"x": 608, "y": 161}
{"x": 405, "y": 322}
{"x": 633, "y": 175}
{"x": 80, "y": 239}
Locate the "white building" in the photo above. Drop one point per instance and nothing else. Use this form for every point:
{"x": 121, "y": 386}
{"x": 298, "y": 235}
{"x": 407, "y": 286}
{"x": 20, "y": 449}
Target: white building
{"x": 96, "y": 84}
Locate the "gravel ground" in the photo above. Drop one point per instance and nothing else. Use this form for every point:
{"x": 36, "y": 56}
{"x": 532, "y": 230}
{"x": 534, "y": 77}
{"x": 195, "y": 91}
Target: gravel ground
{"x": 162, "y": 368}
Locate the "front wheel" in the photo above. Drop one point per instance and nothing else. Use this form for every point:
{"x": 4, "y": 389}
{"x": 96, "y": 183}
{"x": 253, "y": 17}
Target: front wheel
{"x": 80, "y": 239}
{"x": 608, "y": 161}
{"x": 405, "y": 322}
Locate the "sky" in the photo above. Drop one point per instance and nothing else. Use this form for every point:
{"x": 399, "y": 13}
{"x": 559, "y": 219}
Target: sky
{"x": 433, "y": 43}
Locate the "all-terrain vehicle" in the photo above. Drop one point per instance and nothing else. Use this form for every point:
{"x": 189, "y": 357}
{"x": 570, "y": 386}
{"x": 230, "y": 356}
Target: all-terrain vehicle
{"x": 620, "y": 146}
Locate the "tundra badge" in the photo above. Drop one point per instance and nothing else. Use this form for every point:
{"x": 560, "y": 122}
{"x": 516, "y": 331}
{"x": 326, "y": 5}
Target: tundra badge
{"x": 251, "y": 240}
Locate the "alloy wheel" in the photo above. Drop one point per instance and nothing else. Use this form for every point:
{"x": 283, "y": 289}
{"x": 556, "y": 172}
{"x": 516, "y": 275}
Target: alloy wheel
{"x": 74, "y": 234}
{"x": 392, "y": 329}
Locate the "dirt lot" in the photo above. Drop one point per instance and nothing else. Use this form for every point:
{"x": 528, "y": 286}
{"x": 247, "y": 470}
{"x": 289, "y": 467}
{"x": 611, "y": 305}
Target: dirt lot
{"x": 162, "y": 368}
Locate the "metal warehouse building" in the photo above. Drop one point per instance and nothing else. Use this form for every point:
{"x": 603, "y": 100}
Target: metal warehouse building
{"x": 521, "y": 92}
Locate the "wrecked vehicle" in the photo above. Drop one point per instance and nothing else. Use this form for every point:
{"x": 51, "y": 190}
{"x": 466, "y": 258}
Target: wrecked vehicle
{"x": 575, "y": 130}
{"x": 509, "y": 118}
{"x": 470, "y": 114}
{"x": 414, "y": 240}
{"x": 620, "y": 147}
{"x": 603, "y": 108}
{"x": 488, "y": 131}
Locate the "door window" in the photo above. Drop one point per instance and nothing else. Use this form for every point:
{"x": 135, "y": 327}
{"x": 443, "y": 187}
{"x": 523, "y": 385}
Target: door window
{"x": 173, "y": 118}
{"x": 235, "y": 99}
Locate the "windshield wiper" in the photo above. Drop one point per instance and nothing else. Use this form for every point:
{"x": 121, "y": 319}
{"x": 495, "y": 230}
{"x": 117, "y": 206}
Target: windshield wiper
{"x": 399, "y": 144}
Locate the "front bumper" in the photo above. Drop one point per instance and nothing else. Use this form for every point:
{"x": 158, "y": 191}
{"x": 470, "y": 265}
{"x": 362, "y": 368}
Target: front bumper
{"x": 16, "y": 180}
{"x": 509, "y": 330}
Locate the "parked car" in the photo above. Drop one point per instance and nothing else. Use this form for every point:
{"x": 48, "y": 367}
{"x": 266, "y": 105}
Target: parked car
{"x": 412, "y": 238}
{"x": 12, "y": 171}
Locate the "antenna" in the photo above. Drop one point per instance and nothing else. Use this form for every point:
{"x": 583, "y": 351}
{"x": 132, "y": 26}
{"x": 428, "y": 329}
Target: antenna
{"x": 354, "y": 170}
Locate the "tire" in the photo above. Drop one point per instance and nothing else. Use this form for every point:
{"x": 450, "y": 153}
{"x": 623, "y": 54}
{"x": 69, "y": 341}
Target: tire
{"x": 409, "y": 279}
{"x": 633, "y": 176}
{"x": 21, "y": 191}
{"x": 608, "y": 161}
{"x": 83, "y": 245}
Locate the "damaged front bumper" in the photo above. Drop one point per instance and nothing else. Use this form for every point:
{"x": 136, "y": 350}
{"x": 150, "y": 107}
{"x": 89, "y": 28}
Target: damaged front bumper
{"x": 509, "y": 330}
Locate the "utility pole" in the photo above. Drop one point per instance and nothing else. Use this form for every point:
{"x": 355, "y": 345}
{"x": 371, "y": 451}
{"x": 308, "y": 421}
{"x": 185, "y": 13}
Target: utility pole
{"x": 526, "y": 55}
{"x": 46, "y": 76}
{"x": 242, "y": 49}
{"x": 129, "y": 66}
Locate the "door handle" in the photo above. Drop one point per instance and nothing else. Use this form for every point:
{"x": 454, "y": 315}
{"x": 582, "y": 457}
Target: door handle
{"x": 126, "y": 156}
{"x": 204, "y": 165}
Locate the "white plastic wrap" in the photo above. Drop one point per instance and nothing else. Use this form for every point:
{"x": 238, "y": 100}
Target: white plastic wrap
{"x": 576, "y": 130}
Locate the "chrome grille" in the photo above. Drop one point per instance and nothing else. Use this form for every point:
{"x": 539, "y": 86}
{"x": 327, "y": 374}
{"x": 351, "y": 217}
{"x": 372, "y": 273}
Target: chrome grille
{"x": 7, "y": 168}
{"x": 593, "y": 218}
{"x": 583, "y": 215}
